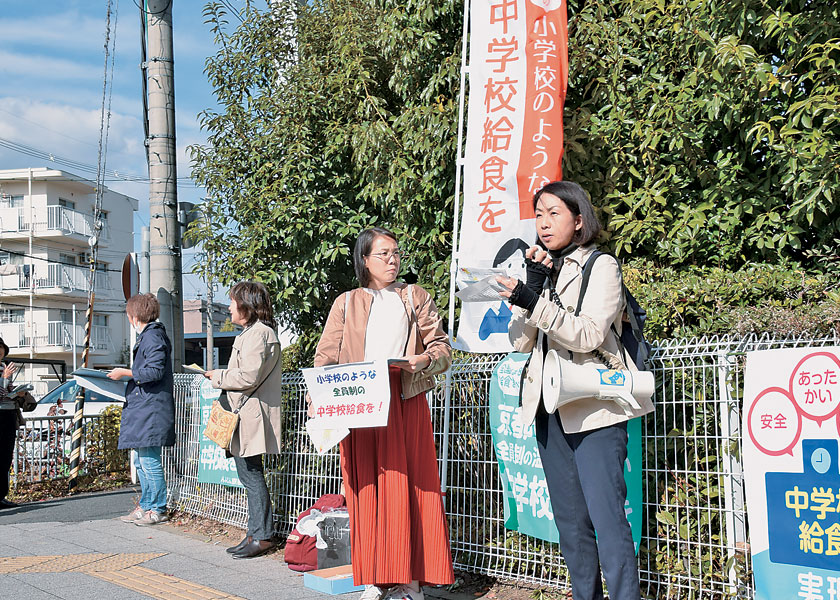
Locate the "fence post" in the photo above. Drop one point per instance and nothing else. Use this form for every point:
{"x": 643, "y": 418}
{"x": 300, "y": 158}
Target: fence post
{"x": 733, "y": 479}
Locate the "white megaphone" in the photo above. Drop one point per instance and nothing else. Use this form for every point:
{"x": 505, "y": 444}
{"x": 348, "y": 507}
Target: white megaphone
{"x": 565, "y": 381}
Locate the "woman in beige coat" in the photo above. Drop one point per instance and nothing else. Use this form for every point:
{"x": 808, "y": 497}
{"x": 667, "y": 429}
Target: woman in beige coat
{"x": 582, "y": 444}
{"x": 252, "y": 384}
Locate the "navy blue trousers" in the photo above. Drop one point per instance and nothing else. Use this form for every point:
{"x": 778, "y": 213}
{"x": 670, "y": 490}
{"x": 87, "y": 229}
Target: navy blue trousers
{"x": 585, "y": 477}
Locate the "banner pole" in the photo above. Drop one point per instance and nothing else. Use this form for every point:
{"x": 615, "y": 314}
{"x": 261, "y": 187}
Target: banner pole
{"x": 453, "y": 265}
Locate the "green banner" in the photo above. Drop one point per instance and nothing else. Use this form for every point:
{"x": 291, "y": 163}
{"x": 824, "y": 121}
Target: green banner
{"x": 213, "y": 466}
{"x": 527, "y": 505}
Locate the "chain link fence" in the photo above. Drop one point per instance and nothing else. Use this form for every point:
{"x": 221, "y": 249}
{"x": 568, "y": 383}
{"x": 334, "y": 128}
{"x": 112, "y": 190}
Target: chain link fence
{"x": 695, "y": 540}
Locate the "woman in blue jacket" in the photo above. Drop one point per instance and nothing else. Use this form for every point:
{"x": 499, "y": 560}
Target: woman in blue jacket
{"x": 148, "y": 417}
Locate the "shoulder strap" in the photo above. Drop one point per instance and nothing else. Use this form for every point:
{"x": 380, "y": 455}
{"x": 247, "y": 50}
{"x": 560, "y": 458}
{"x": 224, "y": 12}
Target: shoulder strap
{"x": 587, "y": 273}
{"x": 259, "y": 385}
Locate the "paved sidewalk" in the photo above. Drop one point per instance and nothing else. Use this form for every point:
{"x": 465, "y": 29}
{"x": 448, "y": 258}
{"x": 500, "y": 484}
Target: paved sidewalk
{"x": 76, "y": 548}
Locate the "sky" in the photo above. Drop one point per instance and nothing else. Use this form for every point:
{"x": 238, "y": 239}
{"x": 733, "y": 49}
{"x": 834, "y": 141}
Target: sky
{"x": 52, "y": 63}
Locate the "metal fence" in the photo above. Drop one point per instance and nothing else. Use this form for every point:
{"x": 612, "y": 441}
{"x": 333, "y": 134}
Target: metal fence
{"x": 42, "y": 448}
{"x": 695, "y": 540}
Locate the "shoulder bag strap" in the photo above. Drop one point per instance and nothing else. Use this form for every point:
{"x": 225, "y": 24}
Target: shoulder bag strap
{"x": 587, "y": 273}
{"x": 259, "y": 385}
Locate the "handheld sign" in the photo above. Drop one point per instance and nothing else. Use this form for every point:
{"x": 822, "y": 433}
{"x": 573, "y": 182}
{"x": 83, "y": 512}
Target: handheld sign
{"x": 350, "y": 395}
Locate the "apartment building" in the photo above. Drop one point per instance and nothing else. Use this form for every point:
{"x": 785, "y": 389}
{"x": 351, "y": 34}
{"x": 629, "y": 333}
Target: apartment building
{"x": 46, "y": 222}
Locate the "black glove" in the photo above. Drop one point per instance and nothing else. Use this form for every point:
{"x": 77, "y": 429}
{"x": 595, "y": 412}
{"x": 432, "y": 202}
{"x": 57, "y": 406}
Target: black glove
{"x": 524, "y": 297}
{"x": 536, "y": 273}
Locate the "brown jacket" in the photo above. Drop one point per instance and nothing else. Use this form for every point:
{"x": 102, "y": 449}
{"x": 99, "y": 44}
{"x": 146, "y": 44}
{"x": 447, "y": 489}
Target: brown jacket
{"x": 343, "y": 340}
{"x": 574, "y": 338}
{"x": 255, "y": 358}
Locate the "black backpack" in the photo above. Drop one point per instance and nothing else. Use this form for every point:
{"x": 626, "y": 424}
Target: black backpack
{"x": 632, "y": 337}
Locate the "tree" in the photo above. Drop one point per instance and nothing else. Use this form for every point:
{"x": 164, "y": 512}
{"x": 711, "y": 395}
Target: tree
{"x": 707, "y": 132}
{"x": 321, "y": 136}
{"x": 709, "y": 129}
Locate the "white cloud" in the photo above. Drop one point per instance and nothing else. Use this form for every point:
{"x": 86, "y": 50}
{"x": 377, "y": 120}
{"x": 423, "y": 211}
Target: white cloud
{"x": 37, "y": 66}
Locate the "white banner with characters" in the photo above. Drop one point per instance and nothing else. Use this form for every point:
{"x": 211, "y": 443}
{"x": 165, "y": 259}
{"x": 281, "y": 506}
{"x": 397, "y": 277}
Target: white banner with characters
{"x": 791, "y": 425}
{"x": 518, "y": 72}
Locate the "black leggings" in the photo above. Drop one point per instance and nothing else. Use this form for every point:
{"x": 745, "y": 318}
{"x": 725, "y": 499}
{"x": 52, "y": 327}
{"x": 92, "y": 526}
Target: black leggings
{"x": 8, "y": 434}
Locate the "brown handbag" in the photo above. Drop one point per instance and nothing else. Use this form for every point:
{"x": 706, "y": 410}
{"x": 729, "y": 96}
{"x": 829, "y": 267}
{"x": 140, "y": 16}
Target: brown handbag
{"x": 222, "y": 423}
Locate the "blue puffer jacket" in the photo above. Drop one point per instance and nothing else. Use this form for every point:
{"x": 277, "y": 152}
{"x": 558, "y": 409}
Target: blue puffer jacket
{"x": 148, "y": 417}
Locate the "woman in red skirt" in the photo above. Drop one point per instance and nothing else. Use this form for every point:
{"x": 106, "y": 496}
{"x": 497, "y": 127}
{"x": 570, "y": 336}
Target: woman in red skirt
{"x": 399, "y": 536}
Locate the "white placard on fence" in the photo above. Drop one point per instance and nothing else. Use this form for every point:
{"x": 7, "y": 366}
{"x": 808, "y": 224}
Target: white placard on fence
{"x": 350, "y": 395}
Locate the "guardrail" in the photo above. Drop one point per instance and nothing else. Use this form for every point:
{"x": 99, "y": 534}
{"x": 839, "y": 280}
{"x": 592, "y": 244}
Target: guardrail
{"x": 42, "y": 449}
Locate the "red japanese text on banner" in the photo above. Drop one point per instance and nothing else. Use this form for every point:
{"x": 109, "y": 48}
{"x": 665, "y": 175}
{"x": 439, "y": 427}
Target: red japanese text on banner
{"x": 514, "y": 145}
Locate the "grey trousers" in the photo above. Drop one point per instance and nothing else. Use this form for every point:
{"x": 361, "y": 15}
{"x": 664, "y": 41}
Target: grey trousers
{"x": 250, "y": 472}
{"x": 585, "y": 477}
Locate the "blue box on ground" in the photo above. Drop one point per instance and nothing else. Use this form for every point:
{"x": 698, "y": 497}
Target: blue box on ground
{"x": 334, "y": 581}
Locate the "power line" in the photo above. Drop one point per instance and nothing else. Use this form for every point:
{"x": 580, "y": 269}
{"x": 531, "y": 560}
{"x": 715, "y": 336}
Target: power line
{"x": 77, "y": 165}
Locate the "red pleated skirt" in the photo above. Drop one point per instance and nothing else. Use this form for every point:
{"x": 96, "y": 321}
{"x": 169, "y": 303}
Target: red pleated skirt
{"x": 398, "y": 530}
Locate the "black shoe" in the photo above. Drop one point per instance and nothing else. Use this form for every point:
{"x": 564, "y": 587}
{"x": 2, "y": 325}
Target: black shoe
{"x": 245, "y": 541}
{"x": 255, "y": 548}
{"x": 8, "y": 504}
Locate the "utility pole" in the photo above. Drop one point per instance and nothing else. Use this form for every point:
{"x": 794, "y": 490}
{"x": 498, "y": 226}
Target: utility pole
{"x": 164, "y": 230}
{"x": 211, "y": 363}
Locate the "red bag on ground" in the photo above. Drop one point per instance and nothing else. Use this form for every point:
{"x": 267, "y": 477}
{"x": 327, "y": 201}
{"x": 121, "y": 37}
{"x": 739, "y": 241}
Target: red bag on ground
{"x": 301, "y": 553}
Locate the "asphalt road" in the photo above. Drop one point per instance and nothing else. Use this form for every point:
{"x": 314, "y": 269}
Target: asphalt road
{"x": 74, "y": 509}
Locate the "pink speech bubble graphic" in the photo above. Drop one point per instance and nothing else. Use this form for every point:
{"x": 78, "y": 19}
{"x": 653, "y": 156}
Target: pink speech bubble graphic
{"x": 774, "y": 423}
{"x": 815, "y": 386}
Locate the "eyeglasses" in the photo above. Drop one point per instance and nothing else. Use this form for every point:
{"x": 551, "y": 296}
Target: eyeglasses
{"x": 386, "y": 255}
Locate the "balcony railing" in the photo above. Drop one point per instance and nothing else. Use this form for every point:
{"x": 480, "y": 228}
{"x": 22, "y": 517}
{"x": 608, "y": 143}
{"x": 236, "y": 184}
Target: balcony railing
{"x": 61, "y": 219}
{"x": 63, "y": 278}
{"x": 61, "y": 334}
{"x": 14, "y": 334}
{"x": 57, "y": 334}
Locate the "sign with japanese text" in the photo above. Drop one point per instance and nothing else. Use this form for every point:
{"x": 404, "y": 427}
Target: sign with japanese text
{"x": 350, "y": 395}
{"x": 213, "y": 465}
{"x": 514, "y": 144}
{"x": 791, "y": 424}
{"x": 527, "y": 504}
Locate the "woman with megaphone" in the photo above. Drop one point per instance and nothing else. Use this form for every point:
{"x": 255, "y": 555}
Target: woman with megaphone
{"x": 582, "y": 440}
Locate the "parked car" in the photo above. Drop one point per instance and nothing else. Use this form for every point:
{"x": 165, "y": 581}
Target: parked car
{"x": 63, "y": 398}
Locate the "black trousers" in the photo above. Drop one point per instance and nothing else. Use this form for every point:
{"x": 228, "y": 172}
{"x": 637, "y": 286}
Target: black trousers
{"x": 585, "y": 477}
{"x": 8, "y": 434}
{"x": 250, "y": 473}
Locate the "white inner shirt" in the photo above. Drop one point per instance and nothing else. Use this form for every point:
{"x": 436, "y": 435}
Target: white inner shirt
{"x": 387, "y": 327}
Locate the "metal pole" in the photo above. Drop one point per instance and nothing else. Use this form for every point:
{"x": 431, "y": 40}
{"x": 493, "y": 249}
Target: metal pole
{"x": 144, "y": 261}
{"x": 453, "y": 265}
{"x": 74, "y": 337}
{"x": 211, "y": 363}
{"x": 733, "y": 490}
{"x": 165, "y": 232}
{"x": 31, "y": 278}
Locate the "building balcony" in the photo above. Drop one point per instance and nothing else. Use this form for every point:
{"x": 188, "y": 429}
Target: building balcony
{"x": 58, "y": 222}
{"x": 54, "y": 280}
{"x": 56, "y": 336}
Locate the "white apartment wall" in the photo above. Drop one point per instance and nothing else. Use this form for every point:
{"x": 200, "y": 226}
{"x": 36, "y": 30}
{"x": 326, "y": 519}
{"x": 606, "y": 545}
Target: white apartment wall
{"x": 46, "y": 321}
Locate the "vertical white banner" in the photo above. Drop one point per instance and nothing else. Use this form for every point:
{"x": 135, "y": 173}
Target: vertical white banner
{"x": 518, "y": 72}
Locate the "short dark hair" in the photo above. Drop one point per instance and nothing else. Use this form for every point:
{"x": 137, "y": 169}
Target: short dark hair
{"x": 4, "y": 348}
{"x": 254, "y": 302}
{"x": 143, "y": 307}
{"x": 364, "y": 243}
{"x": 577, "y": 201}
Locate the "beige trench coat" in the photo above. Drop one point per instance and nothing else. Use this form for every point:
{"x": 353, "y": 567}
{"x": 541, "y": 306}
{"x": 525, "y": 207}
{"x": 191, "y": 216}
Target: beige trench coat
{"x": 255, "y": 358}
{"x": 574, "y": 338}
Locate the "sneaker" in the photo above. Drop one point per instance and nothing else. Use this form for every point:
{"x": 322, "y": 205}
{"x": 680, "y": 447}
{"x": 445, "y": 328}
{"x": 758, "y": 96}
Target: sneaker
{"x": 134, "y": 515}
{"x": 151, "y": 517}
{"x": 403, "y": 592}
{"x": 372, "y": 592}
